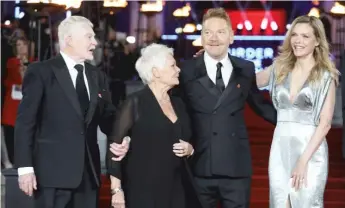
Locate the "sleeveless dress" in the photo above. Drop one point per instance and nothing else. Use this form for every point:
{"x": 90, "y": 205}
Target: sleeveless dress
{"x": 297, "y": 120}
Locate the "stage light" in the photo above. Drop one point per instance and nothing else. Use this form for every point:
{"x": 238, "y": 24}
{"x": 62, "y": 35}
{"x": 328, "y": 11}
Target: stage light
{"x": 178, "y": 30}
{"x": 274, "y": 26}
{"x": 7, "y": 22}
{"x": 248, "y": 25}
{"x": 338, "y": 8}
{"x": 67, "y": 3}
{"x": 130, "y": 39}
{"x": 199, "y": 27}
{"x": 239, "y": 26}
{"x": 189, "y": 28}
{"x": 115, "y": 3}
{"x": 73, "y": 4}
{"x": 182, "y": 12}
{"x": 314, "y": 12}
{"x": 152, "y": 7}
{"x": 197, "y": 42}
{"x": 264, "y": 24}
{"x": 288, "y": 26}
{"x": 21, "y": 15}
{"x": 169, "y": 37}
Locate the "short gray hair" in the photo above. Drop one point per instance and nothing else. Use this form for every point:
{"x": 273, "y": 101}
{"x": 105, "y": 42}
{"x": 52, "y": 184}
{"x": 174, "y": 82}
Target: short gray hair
{"x": 153, "y": 55}
{"x": 68, "y": 25}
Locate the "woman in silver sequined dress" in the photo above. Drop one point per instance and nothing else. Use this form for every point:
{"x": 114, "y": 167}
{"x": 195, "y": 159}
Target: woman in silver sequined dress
{"x": 302, "y": 83}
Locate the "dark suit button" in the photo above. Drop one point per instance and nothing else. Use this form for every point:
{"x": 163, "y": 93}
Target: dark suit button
{"x": 233, "y": 134}
{"x": 82, "y": 133}
{"x": 215, "y": 133}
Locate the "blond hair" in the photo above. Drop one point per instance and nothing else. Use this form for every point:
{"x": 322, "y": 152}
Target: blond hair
{"x": 285, "y": 61}
{"x": 217, "y": 13}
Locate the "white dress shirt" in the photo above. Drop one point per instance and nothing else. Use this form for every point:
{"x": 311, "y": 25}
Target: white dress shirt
{"x": 211, "y": 68}
{"x": 70, "y": 63}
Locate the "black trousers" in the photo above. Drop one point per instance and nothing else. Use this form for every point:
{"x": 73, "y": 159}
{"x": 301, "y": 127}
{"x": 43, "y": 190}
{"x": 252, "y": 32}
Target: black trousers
{"x": 229, "y": 192}
{"x": 85, "y": 196}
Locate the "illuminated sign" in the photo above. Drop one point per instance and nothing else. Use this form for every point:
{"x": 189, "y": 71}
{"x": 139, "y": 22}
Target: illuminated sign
{"x": 258, "y": 18}
{"x": 256, "y": 55}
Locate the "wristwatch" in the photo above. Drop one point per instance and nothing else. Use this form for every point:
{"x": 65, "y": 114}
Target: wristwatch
{"x": 116, "y": 190}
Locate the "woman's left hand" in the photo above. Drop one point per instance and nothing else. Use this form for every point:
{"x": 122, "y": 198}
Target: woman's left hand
{"x": 299, "y": 174}
{"x": 182, "y": 149}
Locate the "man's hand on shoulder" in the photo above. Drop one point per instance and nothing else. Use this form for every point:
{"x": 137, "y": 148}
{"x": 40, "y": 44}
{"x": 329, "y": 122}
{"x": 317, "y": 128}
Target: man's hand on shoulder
{"x": 199, "y": 53}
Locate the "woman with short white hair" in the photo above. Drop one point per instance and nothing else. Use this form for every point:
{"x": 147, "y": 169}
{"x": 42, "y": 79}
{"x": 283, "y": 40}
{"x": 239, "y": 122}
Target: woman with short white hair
{"x": 158, "y": 124}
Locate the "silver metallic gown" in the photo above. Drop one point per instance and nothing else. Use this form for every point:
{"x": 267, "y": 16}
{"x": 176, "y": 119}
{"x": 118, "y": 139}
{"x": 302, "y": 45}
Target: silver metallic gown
{"x": 296, "y": 123}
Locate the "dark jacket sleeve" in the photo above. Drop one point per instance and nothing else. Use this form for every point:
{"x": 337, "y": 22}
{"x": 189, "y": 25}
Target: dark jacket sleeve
{"x": 123, "y": 123}
{"x": 258, "y": 103}
{"x": 27, "y": 116}
{"x": 108, "y": 109}
{"x": 186, "y": 122}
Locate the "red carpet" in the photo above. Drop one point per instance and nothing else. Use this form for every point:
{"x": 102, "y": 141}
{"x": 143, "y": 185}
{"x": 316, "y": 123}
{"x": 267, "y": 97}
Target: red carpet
{"x": 261, "y": 136}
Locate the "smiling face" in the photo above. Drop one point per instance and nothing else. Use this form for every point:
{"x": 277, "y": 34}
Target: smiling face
{"x": 216, "y": 37}
{"x": 303, "y": 40}
{"x": 82, "y": 41}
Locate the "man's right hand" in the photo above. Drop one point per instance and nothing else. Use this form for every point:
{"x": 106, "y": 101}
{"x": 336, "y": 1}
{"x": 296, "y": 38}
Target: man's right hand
{"x": 199, "y": 53}
{"x": 27, "y": 183}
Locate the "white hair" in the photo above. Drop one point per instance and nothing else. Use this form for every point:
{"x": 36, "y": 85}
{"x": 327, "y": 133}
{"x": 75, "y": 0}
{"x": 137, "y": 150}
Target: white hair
{"x": 152, "y": 56}
{"x": 67, "y": 26}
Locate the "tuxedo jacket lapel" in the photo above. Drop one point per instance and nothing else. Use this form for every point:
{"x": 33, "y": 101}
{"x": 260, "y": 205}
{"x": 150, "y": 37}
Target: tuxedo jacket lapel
{"x": 204, "y": 79}
{"x": 64, "y": 78}
{"x": 93, "y": 83}
{"x": 209, "y": 85}
{"x": 232, "y": 84}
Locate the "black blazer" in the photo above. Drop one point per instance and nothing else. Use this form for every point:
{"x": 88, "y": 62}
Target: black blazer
{"x": 220, "y": 137}
{"x": 51, "y": 133}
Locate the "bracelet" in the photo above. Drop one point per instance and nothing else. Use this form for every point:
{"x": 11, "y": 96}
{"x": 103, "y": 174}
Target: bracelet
{"x": 116, "y": 190}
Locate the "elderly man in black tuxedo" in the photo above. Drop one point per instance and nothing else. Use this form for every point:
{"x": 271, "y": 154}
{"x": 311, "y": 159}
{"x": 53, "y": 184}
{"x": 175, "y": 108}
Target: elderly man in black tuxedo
{"x": 64, "y": 100}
